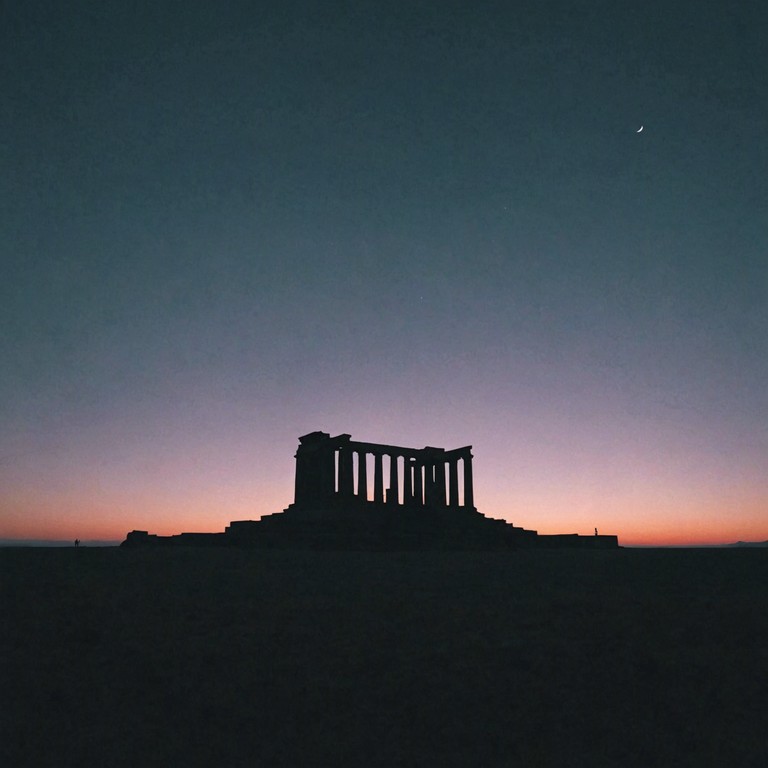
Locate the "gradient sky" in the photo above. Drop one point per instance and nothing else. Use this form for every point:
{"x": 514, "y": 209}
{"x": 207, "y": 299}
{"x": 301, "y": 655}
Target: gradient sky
{"x": 225, "y": 225}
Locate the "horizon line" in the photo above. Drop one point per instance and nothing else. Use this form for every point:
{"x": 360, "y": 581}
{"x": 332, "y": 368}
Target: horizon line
{"x": 43, "y": 543}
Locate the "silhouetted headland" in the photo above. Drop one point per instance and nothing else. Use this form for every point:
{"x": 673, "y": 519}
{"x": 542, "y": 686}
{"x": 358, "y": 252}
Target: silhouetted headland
{"x": 427, "y": 504}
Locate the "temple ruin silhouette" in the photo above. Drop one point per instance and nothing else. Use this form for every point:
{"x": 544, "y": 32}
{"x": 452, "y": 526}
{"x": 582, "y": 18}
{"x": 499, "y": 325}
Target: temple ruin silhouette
{"x": 420, "y": 498}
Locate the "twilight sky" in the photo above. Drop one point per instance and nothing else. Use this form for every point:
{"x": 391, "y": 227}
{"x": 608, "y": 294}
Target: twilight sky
{"x": 225, "y": 225}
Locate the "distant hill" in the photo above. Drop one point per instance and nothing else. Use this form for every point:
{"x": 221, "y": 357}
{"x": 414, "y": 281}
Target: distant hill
{"x": 749, "y": 544}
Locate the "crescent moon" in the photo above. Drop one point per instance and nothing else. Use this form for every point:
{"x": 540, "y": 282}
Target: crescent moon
{"x": 639, "y": 129}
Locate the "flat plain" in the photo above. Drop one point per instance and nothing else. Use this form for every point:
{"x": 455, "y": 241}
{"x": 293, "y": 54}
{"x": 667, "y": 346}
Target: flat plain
{"x": 224, "y": 657}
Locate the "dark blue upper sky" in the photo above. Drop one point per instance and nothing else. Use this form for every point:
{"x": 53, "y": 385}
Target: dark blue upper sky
{"x": 225, "y": 225}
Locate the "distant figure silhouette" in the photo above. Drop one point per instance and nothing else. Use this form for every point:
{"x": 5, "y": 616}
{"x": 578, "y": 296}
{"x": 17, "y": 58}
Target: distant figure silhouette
{"x": 595, "y": 531}
{"x": 77, "y": 542}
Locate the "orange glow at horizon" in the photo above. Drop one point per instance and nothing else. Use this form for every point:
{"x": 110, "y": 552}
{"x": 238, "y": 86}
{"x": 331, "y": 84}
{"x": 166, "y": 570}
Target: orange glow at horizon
{"x": 201, "y": 485}
{"x": 37, "y": 516}
{"x": 40, "y": 516}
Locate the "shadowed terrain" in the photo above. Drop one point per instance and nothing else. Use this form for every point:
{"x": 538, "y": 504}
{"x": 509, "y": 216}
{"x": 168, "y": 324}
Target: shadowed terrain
{"x": 231, "y": 657}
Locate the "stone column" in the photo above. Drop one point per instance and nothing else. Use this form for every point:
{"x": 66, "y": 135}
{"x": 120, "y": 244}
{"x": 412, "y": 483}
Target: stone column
{"x": 328, "y": 472}
{"x": 407, "y": 480}
{"x": 362, "y": 476}
{"x": 310, "y": 465}
{"x": 394, "y": 486}
{"x": 440, "y": 483}
{"x": 378, "y": 478}
{"x": 453, "y": 482}
{"x": 346, "y": 477}
{"x": 418, "y": 486}
{"x": 429, "y": 483}
{"x": 298, "y": 490}
{"x": 469, "y": 496}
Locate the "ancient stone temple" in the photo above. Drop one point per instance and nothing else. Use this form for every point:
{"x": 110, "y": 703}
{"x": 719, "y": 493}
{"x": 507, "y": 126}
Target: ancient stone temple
{"x": 358, "y": 495}
{"x": 335, "y": 470}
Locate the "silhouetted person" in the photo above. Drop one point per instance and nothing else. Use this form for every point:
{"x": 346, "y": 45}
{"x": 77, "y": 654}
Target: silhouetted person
{"x": 595, "y": 531}
{"x": 77, "y": 541}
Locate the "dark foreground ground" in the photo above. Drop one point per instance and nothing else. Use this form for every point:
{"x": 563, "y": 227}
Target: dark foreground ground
{"x": 232, "y": 658}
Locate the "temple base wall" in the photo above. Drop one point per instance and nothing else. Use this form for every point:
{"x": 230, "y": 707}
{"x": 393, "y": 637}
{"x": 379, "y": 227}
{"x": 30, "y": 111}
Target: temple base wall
{"x": 383, "y": 529}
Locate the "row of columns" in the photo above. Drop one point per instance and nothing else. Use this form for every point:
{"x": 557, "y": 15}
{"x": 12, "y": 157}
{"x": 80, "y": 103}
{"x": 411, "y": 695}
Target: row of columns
{"x": 423, "y": 481}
